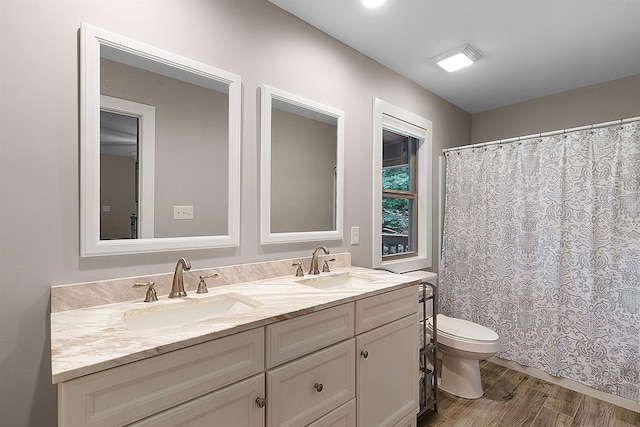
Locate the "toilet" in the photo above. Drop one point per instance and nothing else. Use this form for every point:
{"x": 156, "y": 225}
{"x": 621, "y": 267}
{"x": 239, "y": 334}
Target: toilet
{"x": 463, "y": 344}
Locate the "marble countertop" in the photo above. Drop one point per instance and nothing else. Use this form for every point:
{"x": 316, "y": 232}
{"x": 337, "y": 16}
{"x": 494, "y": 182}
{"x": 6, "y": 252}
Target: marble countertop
{"x": 92, "y": 339}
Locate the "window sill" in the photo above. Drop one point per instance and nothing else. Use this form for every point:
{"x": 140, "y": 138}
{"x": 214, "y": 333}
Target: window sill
{"x": 407, "y": 264}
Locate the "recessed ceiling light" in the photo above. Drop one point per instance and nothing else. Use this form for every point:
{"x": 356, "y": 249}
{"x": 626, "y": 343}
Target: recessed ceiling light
{"x": 373, "y": 3}
{"x": 457, "y": 58}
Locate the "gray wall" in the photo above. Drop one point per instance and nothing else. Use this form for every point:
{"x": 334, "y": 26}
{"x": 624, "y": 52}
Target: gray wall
{"x": 39, "y": 179}
{"x": 604, "y": 102}
{"x": 303, "y": 157}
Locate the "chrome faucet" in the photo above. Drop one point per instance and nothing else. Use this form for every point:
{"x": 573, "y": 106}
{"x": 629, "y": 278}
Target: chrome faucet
{"x": 313, "y": 269}
{"x": 177, "y": 289}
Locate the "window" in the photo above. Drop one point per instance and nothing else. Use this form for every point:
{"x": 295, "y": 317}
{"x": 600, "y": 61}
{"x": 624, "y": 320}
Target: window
{"x": 399, "y": 195}
{"x": 402, "y": 189}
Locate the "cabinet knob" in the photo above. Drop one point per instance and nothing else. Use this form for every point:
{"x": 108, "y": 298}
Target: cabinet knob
{"x": 260, "y": 402}
{"x": 318, "y": 387}
{"x": 364, "y": 353}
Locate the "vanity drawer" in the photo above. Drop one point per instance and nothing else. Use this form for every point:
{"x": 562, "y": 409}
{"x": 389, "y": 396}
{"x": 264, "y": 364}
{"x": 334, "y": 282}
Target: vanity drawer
{"x": 344, "y": 416}
{"x": 131, "y": 392}
{"x": 234, "y": 405}
{"x": 304, "y": 390}
{"x": 290, "y": 339}
{"x": 385, "y": 308}
{"x": 408, "y": 421}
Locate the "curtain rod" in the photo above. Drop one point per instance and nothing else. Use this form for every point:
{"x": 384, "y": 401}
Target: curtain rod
{"x": 543, "y": 134}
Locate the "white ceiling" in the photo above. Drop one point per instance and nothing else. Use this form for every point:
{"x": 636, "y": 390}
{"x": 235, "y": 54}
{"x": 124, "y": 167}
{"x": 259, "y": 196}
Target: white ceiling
{"x": 530, "y": 48}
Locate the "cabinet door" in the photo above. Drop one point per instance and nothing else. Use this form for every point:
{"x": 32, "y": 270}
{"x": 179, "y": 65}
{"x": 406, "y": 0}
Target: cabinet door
{"x": 232, "y": 406}
{"x": 387, "y": 373}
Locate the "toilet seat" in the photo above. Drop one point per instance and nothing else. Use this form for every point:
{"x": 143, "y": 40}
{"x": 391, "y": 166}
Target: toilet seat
{"x": 465, "y": 335}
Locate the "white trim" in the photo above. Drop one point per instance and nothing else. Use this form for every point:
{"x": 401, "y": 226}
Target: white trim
{"x": 91, "y": 39}
{"x": 386, "y": 115}
{"x": 403, "y": 127}
{"x": 316, "y": 110}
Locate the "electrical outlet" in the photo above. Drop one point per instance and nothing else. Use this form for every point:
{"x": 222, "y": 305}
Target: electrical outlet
{"x": 183, "y": 212}
{"x": 355, "y": 235}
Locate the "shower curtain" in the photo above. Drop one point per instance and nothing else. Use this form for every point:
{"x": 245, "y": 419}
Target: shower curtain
{"x": 541, "y": 243}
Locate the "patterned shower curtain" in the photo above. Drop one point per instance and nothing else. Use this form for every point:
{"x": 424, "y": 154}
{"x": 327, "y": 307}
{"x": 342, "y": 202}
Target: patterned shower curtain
{"x": 541, "y": 243}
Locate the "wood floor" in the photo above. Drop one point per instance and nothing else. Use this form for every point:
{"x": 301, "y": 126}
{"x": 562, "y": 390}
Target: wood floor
{"x": 514, "y": 399}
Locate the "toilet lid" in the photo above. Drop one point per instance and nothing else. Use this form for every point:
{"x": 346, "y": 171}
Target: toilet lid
{"x": 463, "y": 329}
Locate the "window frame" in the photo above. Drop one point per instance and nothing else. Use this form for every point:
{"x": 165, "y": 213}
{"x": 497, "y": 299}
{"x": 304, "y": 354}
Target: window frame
{"x": 389, "y": 116}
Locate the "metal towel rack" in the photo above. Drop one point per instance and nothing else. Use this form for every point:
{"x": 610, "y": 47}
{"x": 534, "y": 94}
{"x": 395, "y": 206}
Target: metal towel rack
{"x": 428, "y": 381}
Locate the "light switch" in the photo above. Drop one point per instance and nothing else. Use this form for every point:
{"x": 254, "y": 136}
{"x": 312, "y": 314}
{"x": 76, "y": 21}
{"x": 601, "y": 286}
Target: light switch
{"x": 183, "y": 212}
{"x": 355, "y": 235}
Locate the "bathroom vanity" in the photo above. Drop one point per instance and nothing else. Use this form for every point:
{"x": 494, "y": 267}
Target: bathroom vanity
{"x": 340, "y": 348}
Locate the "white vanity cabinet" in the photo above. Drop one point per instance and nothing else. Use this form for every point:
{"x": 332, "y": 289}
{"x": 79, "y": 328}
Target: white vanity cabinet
{"x": 387, "y": 366}
{"x": 347, "y": 365}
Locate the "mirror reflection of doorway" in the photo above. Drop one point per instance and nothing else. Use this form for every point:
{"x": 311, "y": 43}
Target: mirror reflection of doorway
{"x": 119, "y": 138}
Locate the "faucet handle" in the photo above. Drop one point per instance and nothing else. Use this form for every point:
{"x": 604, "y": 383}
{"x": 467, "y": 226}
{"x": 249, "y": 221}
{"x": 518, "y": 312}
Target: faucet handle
{"x": 151, "y": 295}
{"x": 325, "y": 267}
{"x": 299, "y": 272}
{"x": 202, "y": 285}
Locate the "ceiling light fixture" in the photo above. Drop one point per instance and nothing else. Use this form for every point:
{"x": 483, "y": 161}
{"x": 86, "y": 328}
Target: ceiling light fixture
{"x": 373, "y": 3}
{"x": 458, "y": 58}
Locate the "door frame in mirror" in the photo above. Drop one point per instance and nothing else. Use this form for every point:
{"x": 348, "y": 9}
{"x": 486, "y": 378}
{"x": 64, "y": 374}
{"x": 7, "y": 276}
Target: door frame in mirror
{"x": 146, "y": 155}
{"x": 91, "y": 40}
{"x": 270, "y": 94}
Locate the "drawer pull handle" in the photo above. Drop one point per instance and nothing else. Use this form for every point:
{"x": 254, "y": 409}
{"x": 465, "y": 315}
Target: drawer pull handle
{"x": 260, "y": 402}
{"x": 364, "y": 353}
{"x": 318, "y": 387}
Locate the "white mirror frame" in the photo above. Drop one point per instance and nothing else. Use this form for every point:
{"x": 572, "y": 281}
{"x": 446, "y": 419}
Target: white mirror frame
{"x": 268, "y": 95}
{"x": 91, "y": 38}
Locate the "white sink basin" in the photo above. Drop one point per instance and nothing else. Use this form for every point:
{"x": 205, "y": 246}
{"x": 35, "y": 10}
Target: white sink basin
{"x": 338, "y": 281}
{"x": 187, "y": 311}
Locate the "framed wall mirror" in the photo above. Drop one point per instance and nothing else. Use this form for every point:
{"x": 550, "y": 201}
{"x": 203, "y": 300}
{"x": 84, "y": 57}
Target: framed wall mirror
{"x": 160, "y": 149}
{"x": 301, "y": 173}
